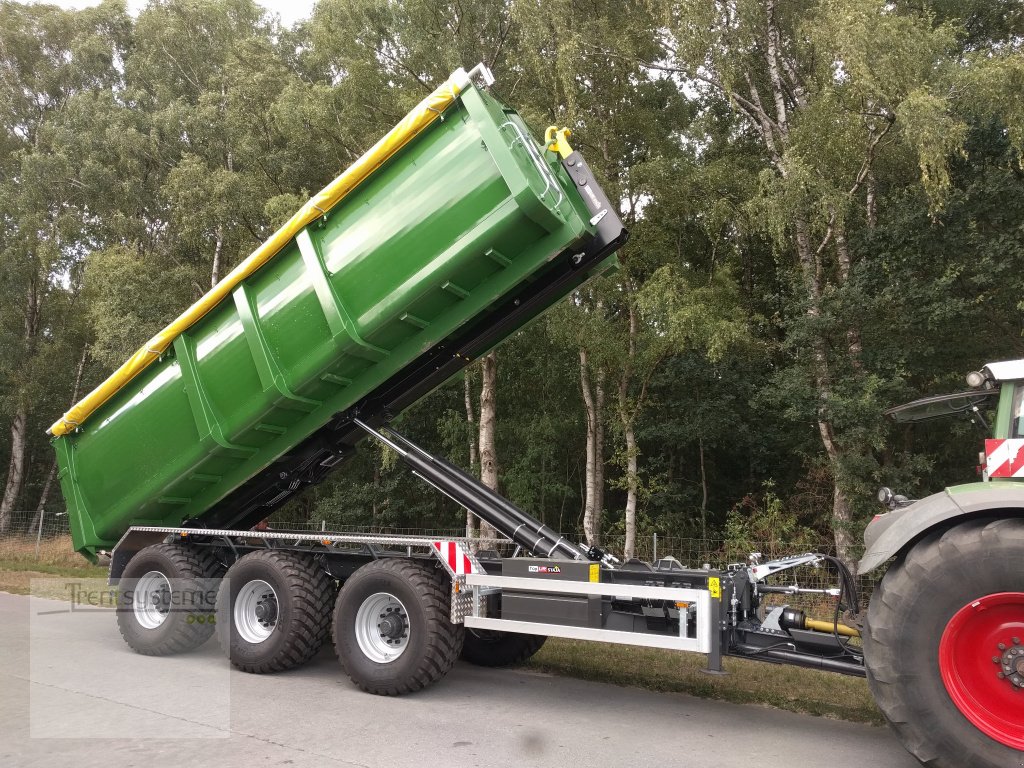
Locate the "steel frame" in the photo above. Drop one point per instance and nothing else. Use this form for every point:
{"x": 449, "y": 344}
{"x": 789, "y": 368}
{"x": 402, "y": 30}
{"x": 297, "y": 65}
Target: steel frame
{"x": 146, "y": 534}
{"x": 702, "y": 643}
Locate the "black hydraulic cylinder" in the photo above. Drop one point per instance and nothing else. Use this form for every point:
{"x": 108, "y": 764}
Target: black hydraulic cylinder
{"x": 780, "y": 656}
{"x": 528, "y": 528}
{"x": 489, "y": 506}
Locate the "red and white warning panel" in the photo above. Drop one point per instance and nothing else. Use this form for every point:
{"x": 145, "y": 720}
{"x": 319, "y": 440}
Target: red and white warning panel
{"x": 456, "y": 558}
{"x": 1004, "y": 458}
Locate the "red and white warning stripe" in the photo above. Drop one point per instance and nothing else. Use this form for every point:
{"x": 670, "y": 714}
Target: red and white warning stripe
{"x": 1004, "y": 458}
{"x": 455, "y": 557}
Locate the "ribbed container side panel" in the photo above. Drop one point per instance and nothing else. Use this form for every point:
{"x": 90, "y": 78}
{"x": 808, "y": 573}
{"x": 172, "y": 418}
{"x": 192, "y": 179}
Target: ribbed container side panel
{"x": 453, "y": 222}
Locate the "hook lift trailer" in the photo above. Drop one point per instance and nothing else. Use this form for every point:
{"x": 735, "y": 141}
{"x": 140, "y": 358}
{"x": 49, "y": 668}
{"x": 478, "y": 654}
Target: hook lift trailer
{"x": 453, "y": 232}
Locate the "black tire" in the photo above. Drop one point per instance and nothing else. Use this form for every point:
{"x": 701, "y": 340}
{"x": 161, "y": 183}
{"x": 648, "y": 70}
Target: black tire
{"x": 431, "y": 643}
{"x": 190, "y": 611}
{"x": 486, "y": 648}
{"x": 907, "y": 616}
{"x": 304, "y": 594}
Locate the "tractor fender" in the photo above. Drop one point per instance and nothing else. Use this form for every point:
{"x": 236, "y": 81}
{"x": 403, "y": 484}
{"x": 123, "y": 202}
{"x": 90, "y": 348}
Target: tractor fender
{"x": 889, "y": 534}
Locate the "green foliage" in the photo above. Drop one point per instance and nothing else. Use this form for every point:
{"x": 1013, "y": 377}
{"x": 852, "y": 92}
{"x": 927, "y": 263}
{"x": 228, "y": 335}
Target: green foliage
{"x": 935, "y": 135}
{"x": 123, "y": 308}
{"x": 684, "y": 315}
{"x": 134, "y": 152}
{"x": 763, "y": 523}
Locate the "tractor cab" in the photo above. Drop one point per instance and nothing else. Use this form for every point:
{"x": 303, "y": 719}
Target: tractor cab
{"x": 997, "y": 387}
{"x": 994, "y": 401}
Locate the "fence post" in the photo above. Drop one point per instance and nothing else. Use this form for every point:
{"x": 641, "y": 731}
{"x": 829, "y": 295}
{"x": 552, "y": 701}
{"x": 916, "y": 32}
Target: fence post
{"x": 39, "y": 532}
{"x": 654, "y": 557}
{"x": 323, "y": 526}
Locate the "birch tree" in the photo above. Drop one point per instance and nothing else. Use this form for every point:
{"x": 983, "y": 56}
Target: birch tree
{"x": 48, "y": 57}
{"x": 473, "y": 447}
{"x": 825, "y": 87}
{"x": 488, "y": 452}
{"x": 209, "y": 76}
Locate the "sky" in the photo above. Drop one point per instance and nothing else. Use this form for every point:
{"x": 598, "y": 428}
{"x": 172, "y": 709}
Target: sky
{"x": 290, "y": 11}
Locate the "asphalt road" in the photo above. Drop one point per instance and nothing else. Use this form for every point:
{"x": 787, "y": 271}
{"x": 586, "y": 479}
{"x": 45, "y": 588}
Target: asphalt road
{"x": 71, "y": 693}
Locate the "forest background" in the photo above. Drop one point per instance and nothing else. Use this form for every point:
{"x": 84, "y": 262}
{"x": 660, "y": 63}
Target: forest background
{"x": 825, "y": 200}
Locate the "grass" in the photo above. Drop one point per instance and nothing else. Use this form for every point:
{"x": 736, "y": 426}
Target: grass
{"x": 19, "y": 565}
{"x": 748, "y": 682}
{"x": 53, "y": 550}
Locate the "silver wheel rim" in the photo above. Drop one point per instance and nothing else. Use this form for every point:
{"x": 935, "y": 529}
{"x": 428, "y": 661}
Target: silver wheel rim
{"x": 382, "y": 628}
{"x": 255, "y": 612}
{"x": 151, "y": 600}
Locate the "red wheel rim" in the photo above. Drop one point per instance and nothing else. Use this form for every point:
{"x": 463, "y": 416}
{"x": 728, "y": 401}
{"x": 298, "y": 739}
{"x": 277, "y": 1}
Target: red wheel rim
{"x": 981, "y": 659}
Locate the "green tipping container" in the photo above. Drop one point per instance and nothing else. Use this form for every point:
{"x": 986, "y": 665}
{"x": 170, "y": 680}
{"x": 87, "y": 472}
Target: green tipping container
{"x": 467, "y": 212}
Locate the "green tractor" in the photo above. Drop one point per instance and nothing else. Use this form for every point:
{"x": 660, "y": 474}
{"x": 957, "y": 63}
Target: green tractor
{"x": 944, "y": 636}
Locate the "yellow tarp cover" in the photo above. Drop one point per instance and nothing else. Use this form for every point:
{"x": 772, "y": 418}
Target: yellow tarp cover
{"x": 418, "y": 119}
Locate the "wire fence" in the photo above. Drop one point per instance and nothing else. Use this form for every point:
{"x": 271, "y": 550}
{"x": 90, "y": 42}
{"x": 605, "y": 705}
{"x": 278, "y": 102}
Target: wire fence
{"x": 31, "y": 536}
{"x": 45, "y": 540}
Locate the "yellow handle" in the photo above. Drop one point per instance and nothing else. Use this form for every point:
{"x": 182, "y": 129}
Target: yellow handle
{"x": 557, "y": 140}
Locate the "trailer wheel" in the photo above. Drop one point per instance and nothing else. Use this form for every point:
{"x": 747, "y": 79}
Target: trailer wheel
{"x": 943, "y": 646}
{"x": 275, "y": 611}
{"x": 166, "y": 599}
{"x": 487, "y": 648}
{"x": 392, "y": 627}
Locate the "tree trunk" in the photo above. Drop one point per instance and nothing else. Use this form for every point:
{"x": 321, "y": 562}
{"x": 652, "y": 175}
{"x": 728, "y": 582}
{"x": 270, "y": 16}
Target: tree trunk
{"x": 599, "y": 452}
{"x": 472, "y": 527}
{"x": 15, "y": 469}
{"x": 16, "y": 466}
{"x": 37, "y": 519}
{"x": 703, "y": 491}
{"x": 632, "y": 483}
{"x": 854, "y": 345}
{"x": 229, "y": 164}
{"x": 593, "y": 399}
{"x": 374, "y": 506}
{"x": 488, "y": 419}
{"x": 871, "y": 200}
{"x": 627, "y": 415}
{"x": 44, "y": 496}
{"x": 218, "y": 249}
{"x": 841, "y": 512}
{"x": 842, "y": 526}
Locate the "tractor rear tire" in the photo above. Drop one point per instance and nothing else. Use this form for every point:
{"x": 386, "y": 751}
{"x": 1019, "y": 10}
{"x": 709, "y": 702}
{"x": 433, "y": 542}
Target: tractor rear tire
{"x": 943, "y": 650}
{"x": 486, "y": 648}
{"x": 392, "y": 627}
{"x": 274, "y": 611}
{"x": 166, "y": 599}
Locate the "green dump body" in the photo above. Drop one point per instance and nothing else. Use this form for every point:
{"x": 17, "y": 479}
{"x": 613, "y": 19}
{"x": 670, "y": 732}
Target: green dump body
{"x": 465, "y": 213}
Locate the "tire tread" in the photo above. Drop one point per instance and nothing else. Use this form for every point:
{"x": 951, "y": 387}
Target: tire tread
{"x": 311, "y": 592}
{"x": 191, "y": 563}
{"x": 444, "y": 639}
{"x": 892, "y": 679}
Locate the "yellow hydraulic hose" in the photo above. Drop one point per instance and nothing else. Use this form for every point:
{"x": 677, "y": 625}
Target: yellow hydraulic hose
{"x": 828, "y": 626}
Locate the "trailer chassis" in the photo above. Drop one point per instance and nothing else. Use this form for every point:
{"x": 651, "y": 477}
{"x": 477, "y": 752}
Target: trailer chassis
{"x": 553, "y": 587}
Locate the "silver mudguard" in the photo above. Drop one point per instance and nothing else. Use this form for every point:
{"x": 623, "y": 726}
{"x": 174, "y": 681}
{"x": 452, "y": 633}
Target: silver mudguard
{"x": 888, "y": 534}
